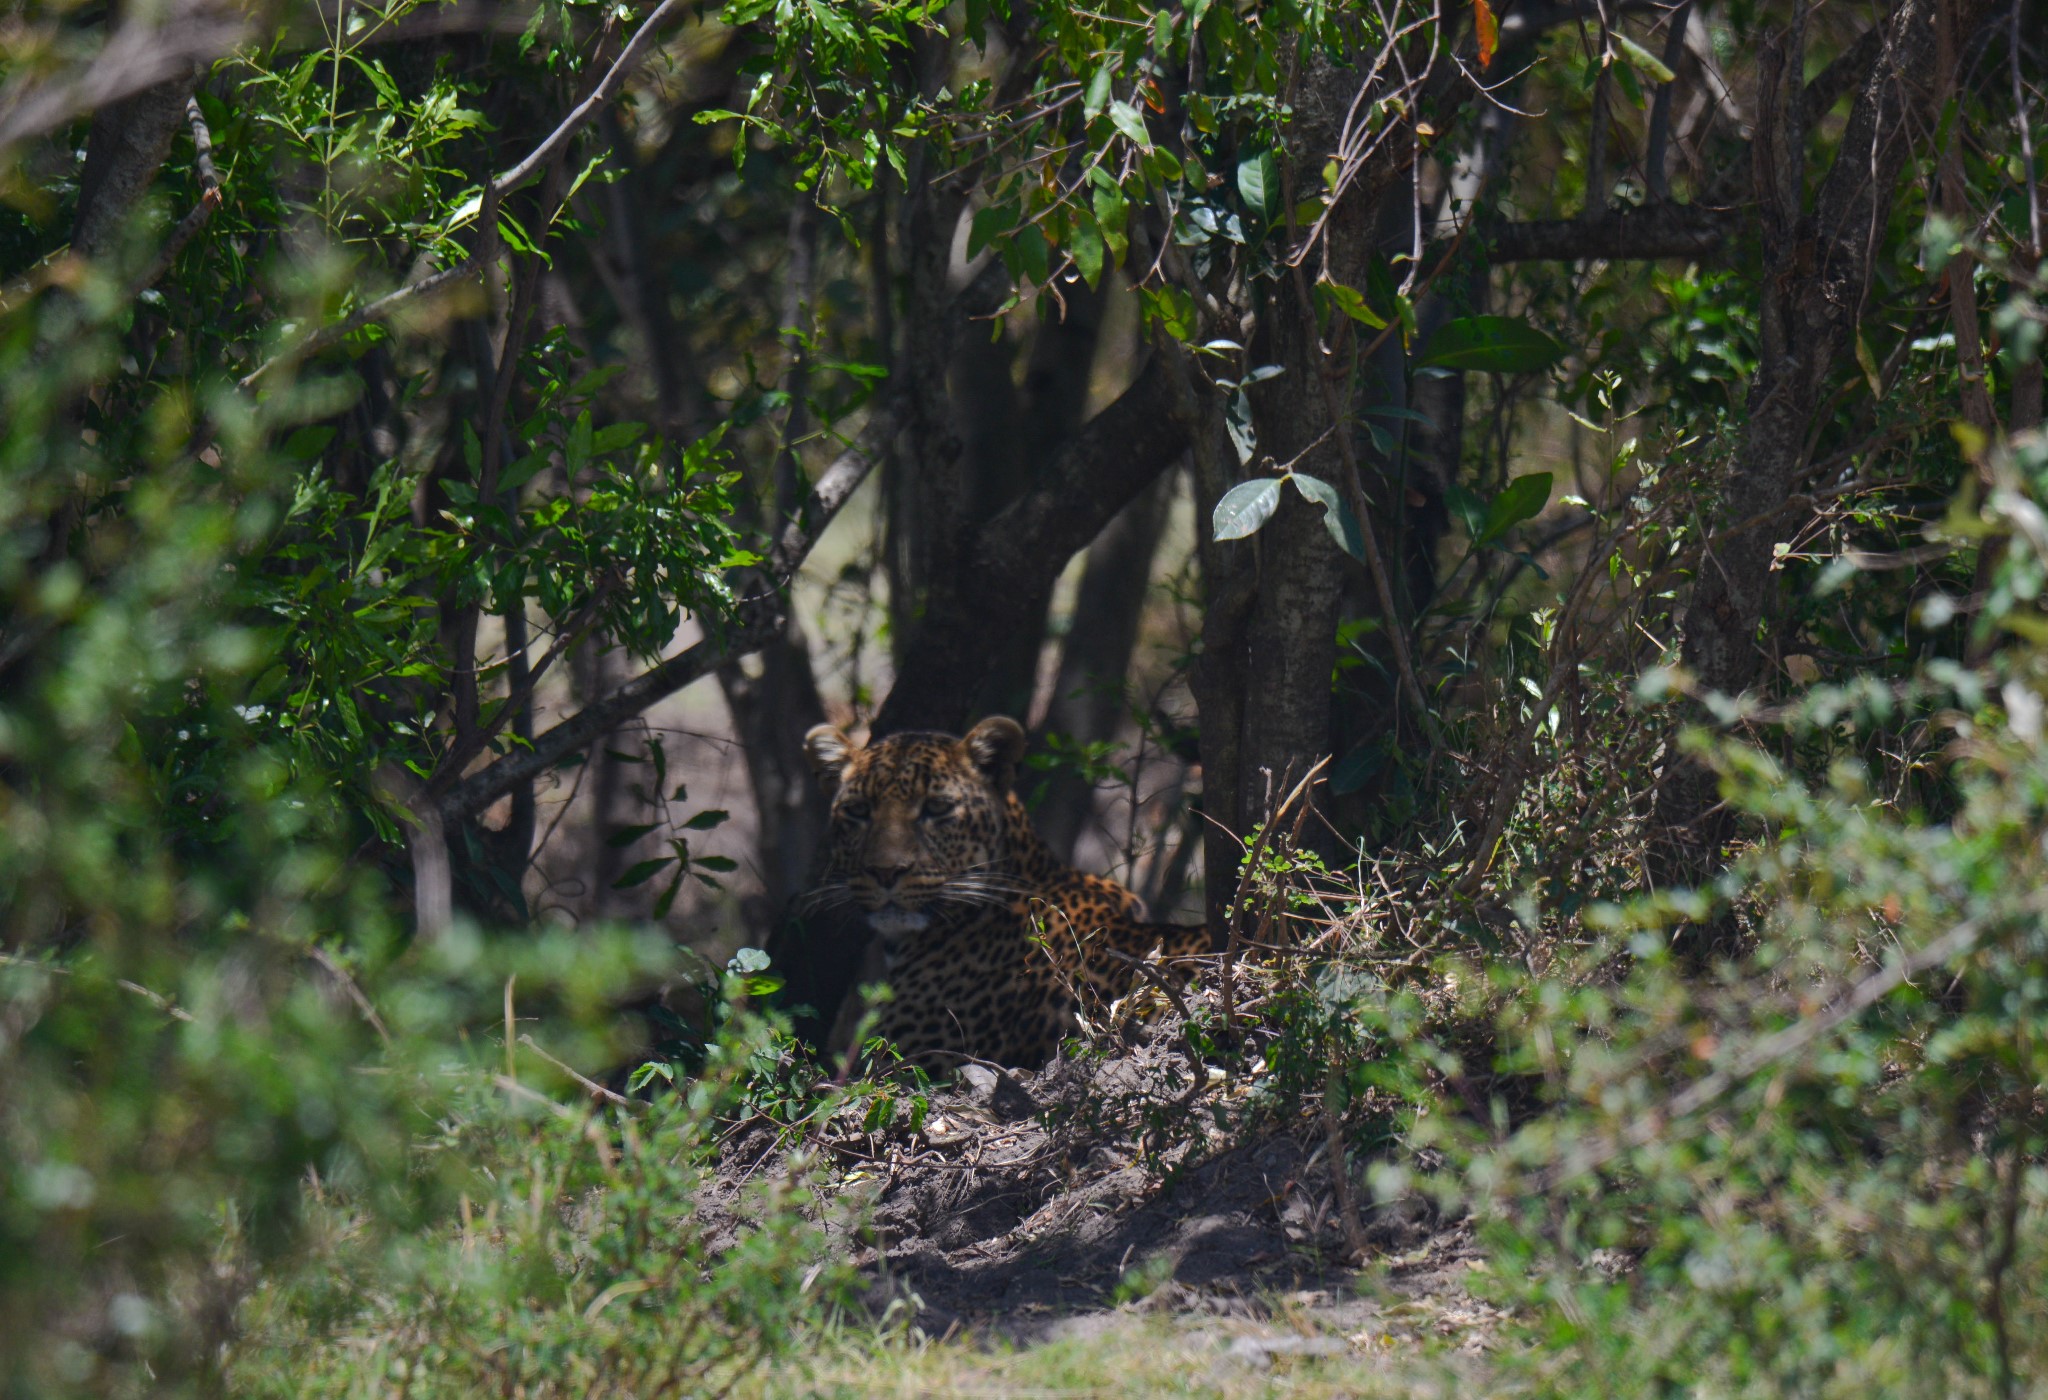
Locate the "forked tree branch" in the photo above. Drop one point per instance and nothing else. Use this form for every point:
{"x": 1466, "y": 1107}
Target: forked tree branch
{"x": 760, "y": 616}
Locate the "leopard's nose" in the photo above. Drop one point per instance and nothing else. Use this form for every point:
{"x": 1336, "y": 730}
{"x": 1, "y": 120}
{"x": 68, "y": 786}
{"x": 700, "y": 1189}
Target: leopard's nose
{"x": 887, "y": 875}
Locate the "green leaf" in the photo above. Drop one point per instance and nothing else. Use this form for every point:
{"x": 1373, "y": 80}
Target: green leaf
{"x": 1358, "y": 767}
{"x": 1030, "y": 256}
{"x": 705, "y": 820}
{"x": 1237, "y": 419}
{"x": 1497, "y": 344}
{"x": 1351, "y": 302}
{"x": 1173, "y": 310}
{"x": 1098, "y": 90}
{"x": 1337, "y": 517}
{"x": 1085, "y": 243}
{"x": 582, "y": 440}
{"x": 718, "y": 863}
{"x": 1468, "y": 509}
{"x": 522, "y": 471}
{"x": 988, "y": 224}
{"x": 1131, "y": 122}
{"x": 1112, "y": 212}
{"x": 668, "y": 896}
{"x": 641, "y": 873}
{"x": 1641, "y": 59}
{"x": 309, "y": 442}
{"x": 1258, "y": 183}
{"x": 627, "y": 835}
{"x": 1521, "y": 499}
{"x": 1245, "y": 507}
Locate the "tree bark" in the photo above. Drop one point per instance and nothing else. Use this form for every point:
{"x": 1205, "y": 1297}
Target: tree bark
{"x": 1005, "y": 575}
{"x": 1820, "y": 265}
{"x": 123, "y": 153}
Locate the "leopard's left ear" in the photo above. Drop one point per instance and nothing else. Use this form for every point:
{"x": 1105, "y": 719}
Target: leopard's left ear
{"x": 995, "y": 746}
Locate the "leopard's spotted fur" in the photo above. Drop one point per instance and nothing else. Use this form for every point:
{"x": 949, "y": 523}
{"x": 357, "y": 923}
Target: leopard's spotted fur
{"x": 990, "y": 942}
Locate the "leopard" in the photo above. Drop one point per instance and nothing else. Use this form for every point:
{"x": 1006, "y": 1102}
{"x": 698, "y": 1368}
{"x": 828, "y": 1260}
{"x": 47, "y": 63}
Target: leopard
{"x": 993, "y": 948}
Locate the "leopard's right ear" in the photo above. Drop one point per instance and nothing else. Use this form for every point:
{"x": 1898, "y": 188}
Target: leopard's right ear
{"x": 828, "y": 749}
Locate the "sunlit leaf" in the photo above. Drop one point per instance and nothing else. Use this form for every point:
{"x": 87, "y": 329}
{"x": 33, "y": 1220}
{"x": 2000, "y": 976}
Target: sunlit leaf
{"x": 1487, "y": 29}
{"x": 1258, "y": 182}
{"x": 1245, "y": 507}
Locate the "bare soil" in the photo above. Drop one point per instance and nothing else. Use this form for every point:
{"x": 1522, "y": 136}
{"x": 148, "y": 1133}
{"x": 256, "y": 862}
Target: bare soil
{"x": 1034, "y": 1208}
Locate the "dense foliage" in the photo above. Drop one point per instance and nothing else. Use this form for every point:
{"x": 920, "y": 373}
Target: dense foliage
{"x": 1641, "y": 515}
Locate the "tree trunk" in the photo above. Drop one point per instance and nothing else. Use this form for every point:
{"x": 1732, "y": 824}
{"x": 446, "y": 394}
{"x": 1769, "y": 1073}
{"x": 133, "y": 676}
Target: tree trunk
{"x": 123, "y": 152}
{"x": 1821, "y": 267}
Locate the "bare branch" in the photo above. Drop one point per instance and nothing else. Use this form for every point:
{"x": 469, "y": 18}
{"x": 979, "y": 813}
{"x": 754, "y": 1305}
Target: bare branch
{"x": 137, "y": 57}
{"x": 209, "y": 200}
{"x": 607, "y": 90}
{"x": 759, "y": 618}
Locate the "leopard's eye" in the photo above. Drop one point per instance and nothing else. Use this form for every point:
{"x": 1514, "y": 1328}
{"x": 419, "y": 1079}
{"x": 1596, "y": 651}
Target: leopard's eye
{"x": 937, "y": 807}
{"x": 856, "y": 810}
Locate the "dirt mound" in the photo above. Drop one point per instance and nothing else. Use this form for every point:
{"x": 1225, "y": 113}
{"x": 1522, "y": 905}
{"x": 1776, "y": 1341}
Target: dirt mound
{"x": 1024, "y": 1203}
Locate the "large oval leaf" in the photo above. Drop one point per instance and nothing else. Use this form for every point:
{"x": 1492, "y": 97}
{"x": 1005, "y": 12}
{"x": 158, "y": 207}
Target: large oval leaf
{"x": 1337, "y": 517}
{"x": 1521, "y": 499}
{"x": 1258, "y": 183}
{"x": 1245, "y": 507}
{"x": 1499, "y": 344}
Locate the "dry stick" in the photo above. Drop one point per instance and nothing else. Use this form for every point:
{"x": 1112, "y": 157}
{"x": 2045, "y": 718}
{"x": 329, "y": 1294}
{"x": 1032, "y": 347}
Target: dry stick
{"x": 355, "y": 992}
{"x": 606, "y": 90}
{"x": 1227, "y": 989}
{"x": 1510, "y": 793}
{"x": 1340, "y": 1171}
{"x": 511, "y": 1066}
{"x": 590, "y": 1086}
{"x": 1780, "y": 1045}
{"x": 155, "y": 998}
{"x": 209, "y": 200}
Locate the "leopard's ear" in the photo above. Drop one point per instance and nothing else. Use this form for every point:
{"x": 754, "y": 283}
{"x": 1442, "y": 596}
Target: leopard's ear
{"x": 995, "y": 746}
{"x": 828, "y": 749}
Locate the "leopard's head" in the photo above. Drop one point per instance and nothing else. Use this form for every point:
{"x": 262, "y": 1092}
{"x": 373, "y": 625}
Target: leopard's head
{"x": 919, "y": 821}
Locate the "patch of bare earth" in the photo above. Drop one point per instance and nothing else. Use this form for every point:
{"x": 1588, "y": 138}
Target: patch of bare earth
{"x": 1097, "y": 1195}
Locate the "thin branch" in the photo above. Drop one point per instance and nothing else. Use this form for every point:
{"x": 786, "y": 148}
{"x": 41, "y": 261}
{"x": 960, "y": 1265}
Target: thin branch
{"x": 209, "y": 200}
{"x": 1771, "y": 1049}
{"x": 601, "y": 95}
{"x": 136, "y": 57}
{"x": 606, "y": 90}
{"x": 590, "y": 1086}
{"x": 760, "y": 618}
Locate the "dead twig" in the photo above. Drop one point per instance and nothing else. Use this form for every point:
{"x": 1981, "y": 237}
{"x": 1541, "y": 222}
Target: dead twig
{"x": 209, "y": 200}
{"x": 590, "y": 1086}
